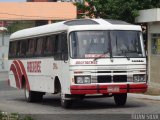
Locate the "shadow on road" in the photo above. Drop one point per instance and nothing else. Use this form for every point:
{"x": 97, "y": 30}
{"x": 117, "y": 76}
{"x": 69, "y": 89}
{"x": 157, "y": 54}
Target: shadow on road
{"x": 88, "y": 104}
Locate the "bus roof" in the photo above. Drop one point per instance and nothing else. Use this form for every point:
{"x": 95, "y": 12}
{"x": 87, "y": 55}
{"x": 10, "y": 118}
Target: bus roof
{"x": 73, "y": 25}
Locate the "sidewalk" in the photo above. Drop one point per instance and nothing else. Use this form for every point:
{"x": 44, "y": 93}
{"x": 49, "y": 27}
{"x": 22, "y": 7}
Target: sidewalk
{"x": 3, "y": 76}
{"x": 142, "y": 96}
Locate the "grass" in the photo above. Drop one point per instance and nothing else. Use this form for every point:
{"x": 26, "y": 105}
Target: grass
{"x": 27, "y": 118}
{"x": 13, "y": 116}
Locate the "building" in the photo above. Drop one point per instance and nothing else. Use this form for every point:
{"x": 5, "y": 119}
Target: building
{"x": 3, "y": 49}
{"x": 41, "y": 0}
{"x": 151, "y": 18}
{"x": 81, "y": 1}
{"x": 37, "y": 11}
{"x": 41, "y": 12}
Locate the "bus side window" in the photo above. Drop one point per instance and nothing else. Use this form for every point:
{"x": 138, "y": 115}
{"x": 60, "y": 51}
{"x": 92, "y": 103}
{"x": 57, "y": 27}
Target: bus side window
{"x": 17, "y": 49}
{"x": 23, "y": 48}
{"x": 64, "y": 46}
{"x": 57, "y": 48}
{"x": 31, "y": 47}
{"x": 48, "y": 46}
{"x": 39, "y": 47}
{"x": 12, "y": 49}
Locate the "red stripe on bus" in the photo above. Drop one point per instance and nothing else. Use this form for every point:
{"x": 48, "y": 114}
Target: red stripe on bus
{"x": 138, "y": 86}
{"x": 19, "y": 72}
{"x": 25, "y": 74}
{"x": 13, "y": 69}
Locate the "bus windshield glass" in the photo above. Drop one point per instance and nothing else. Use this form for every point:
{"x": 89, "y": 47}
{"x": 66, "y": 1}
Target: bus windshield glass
{"x": 106, "y": 44}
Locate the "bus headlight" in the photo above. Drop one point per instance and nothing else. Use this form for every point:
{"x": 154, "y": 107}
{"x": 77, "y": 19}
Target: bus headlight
{"x": 139, "y": 78}
{"x": 135, "y": 78}
{"x": 82, "y": 79}
{"x": 79, "y": 80}
{"x": 87, "y": 80}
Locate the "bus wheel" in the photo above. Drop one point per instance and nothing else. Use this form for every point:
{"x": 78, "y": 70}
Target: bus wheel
{"x": 65, "y": 103}
{"x": 32, "y": 96}
{"x": 120, "y": 99}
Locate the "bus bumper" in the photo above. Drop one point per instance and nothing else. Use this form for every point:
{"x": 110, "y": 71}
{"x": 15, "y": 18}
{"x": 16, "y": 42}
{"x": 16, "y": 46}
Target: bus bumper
{"x": 107, "y": 89}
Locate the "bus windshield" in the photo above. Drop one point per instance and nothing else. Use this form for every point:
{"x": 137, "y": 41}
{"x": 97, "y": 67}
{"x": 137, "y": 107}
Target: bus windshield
{"x": 106, "y": 44}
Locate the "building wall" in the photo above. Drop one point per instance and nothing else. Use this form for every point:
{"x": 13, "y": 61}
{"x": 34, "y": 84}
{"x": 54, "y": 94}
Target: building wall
{"x": 154, "y": 60}
{"x": 81, "y": 1}
{"x": 37, "y": 0}
{"x": 4, "y": 43}
{"x": 41, "y": 0}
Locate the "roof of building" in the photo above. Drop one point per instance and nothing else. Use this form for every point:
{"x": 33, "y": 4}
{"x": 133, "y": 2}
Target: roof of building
{"x": 72, "y": 25}
{"x": 37, "y": 11}
{"x": 148, "y": 15}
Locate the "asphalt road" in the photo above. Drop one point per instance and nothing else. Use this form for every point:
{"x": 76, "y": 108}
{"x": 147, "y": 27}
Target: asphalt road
{"x": 13, "y": 101}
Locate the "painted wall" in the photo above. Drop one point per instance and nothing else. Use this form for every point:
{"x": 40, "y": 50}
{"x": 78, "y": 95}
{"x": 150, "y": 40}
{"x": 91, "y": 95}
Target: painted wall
{"x": 4, "y": 43}
{"x": 154, "y": 60}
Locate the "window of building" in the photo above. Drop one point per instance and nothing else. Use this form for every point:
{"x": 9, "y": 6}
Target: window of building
{"x": 155, "y": 44}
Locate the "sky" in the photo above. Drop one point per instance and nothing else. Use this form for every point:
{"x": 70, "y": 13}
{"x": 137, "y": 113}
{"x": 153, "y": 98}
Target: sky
{"x": 12, "y": 0}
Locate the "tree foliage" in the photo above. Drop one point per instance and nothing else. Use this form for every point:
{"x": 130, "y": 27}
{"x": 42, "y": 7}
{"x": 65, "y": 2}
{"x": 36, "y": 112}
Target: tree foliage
{"x": 125, "y": 10}
{"x": 19, "y": 25}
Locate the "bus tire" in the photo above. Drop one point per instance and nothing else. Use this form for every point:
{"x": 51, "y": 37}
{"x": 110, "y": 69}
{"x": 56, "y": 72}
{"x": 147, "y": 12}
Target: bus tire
{"x": 65, "y": 103}
{"x": 32, "y": 96}
{"x": 120, "y": 99}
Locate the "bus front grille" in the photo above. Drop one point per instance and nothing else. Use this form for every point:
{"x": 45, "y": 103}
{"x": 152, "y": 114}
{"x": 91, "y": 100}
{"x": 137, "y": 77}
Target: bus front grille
{"x": 114, "y": 79}
{"x": 120, "y": 78}
{"x": 104, "y": 79}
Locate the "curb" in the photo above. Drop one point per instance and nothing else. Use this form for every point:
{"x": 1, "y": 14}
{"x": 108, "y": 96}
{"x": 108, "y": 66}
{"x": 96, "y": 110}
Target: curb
{"x": 142, "y": 96}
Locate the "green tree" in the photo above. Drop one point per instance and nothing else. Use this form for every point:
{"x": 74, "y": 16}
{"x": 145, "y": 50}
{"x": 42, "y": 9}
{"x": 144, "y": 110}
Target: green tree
{"x": 125, "y": 10}
{"x": 19, "y": 25}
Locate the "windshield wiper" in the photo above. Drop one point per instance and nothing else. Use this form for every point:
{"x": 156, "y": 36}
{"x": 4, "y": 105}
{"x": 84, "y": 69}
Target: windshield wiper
{"x": 125, "y": 53}
{"x": 131, "y": 51}
{"x": 101, "y": 55}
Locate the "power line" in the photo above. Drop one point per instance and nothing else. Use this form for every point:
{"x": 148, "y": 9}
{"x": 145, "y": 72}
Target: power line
{"x": 44, "y": 17}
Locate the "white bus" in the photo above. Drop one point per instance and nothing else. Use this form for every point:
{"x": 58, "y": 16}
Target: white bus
{"x": 78, "y": 59}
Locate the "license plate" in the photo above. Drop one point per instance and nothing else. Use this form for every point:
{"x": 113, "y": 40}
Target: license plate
{"x": 113, "y": 88}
